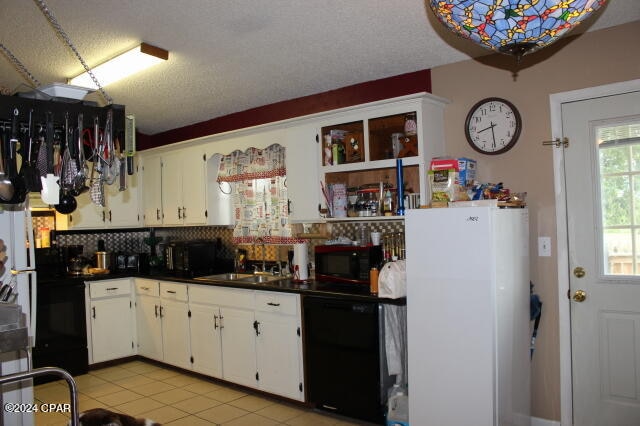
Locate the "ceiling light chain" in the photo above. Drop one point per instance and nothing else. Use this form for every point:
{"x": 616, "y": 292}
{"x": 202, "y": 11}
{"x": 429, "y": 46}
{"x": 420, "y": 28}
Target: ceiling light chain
{"x": 45, "y": 10}
{"x": 19, "y": 65}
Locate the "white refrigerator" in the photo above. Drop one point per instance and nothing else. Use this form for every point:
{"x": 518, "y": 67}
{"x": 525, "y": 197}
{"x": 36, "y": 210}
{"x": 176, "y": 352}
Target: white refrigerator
{"x": 18, "y": 262}
{"x": 468, "y": 316}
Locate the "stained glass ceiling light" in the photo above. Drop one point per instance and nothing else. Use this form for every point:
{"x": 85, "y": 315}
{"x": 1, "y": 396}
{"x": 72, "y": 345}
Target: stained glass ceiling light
{"x": 513, "y": 27}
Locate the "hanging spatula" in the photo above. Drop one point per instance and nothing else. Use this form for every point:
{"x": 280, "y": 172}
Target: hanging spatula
{"x": 50, "y": 183}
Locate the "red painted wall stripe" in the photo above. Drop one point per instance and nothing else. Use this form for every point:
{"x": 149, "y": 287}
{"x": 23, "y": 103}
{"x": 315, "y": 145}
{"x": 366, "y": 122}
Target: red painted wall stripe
{"x": 370, "y": 91}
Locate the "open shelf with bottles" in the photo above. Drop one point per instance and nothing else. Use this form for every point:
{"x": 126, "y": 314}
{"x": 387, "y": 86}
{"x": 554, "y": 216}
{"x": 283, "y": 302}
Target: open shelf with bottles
{"x": 410, "y": 128}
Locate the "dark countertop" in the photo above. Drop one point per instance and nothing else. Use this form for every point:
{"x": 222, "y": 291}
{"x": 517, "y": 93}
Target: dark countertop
{"x": 306, "y": 288}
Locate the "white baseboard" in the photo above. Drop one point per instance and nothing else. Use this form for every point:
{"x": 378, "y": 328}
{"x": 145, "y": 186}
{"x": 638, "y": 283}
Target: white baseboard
{"x": 535, "y": 421}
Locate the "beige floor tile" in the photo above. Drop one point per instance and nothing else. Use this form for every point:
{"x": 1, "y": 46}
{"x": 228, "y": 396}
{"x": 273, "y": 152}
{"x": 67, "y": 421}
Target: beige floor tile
{"x": 222, "y": 413}
{"x": 113, "y": 373}
{"x": 182, "y": 380}
{"x": 200, "y": 387}
{"x": 161, "y": 374}
{"x": 117, "y": 398}
{"x": 251, "y": 420}
{"x": 52, "y": 394}
{"x": 196, "y": 404}
{"x": 133, "y": 382}
{"x": 281, "y": 412}
{"x": 251, "y": 403}
{"x": 174, "y": 395}
{"x": 142, "y": 367}
{"x": 101, "y": 390}
{"x": 50, "y": 419}
{"x": 138, "y": 406}
{"x": 85, "y": 403}
{"x": 190, "y": 421}
{"x": 311, "y": 419}
{"x": 164, "y": 414}
{"x": 153, "y": 388}
{"x": 88, "y": 380}
{"x": 226, "y": 394}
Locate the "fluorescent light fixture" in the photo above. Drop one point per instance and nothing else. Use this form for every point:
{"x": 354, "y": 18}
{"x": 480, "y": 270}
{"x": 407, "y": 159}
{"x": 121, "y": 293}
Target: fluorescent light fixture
{"x": 122, "y": 66}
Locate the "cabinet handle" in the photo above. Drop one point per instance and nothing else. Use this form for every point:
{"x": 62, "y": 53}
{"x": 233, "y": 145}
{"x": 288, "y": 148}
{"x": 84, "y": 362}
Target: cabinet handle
{"x": 179, "y": 213}
{"x": 256, "y": 326}
{"x": 158, "y": 214}
{"x": 161, "y": 314}
{"x": 273, "y": 304}
{"x": 215, "y": 322}
{"x": 111, "y": 288}
{"x": 221, "y": 322}
{"x": 93, "y": 309}
{"x": 109, "y": 215}
{"x": 184, "y": 212}
{"x": 103, "y": 216}
{"x": 156, "y": 309}
{"x": 171, "y": 291}
{"x": 145, "y": 288}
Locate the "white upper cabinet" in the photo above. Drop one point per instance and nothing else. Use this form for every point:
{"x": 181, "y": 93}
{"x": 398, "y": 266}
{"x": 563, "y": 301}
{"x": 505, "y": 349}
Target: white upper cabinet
{"x": 183, "y": 187}
{"x": 152, "y": 189}
{"x": 303, "y": 184}
{"x": 121, "y": 210}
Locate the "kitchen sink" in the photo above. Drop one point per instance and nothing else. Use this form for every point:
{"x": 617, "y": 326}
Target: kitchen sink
{"x": 224, "y": 277}
{"x": 259, "y": 279}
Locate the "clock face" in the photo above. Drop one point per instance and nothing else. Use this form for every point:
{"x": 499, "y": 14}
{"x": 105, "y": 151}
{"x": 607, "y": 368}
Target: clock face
{"x": 493, "y": 126}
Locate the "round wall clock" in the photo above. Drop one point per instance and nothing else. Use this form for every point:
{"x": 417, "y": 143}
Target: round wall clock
{"x": 493, "y": 126}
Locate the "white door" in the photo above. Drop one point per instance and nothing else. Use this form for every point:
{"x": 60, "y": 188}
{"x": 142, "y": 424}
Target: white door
{"x": 149, "y": 327}
{"x": 602, "y": 173}
{"x": 152, "y": 190}
{"x": 111, "y": 329}
{"x": 238, "y": 346}
{"x": 206, "y": 349}
{"x": 175, "y": 333}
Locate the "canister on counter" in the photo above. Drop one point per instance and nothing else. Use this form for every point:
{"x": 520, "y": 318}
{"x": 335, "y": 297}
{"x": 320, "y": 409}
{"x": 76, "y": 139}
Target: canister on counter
{"x": 373, "y": 280}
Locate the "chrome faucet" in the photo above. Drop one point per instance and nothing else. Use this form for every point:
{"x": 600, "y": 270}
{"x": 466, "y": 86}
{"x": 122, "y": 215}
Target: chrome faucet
{"x": 264, "y": 256}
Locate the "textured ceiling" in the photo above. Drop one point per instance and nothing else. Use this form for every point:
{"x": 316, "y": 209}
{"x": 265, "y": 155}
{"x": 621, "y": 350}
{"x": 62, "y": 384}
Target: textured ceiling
{"x": 229, "y": 56}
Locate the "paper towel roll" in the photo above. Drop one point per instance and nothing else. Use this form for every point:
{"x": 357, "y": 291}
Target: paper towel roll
{"x": 301, "y": 260}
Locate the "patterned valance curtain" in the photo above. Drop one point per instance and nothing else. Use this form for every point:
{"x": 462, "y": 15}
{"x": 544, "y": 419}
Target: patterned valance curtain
{"x": 260, "y": 200}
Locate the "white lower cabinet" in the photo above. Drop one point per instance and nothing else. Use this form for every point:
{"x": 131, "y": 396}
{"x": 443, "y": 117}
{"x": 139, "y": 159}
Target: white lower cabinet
{"x": 174, "y": 312}
{"x": 111, "y": 321}
{"x": 248, "y": 337}
{"x": 149, "y": 323}
{"x": 279, "y": 344}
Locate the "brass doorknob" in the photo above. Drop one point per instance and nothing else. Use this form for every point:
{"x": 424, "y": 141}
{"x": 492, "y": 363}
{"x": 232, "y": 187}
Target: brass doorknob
{"x": 579, "y": 295}
{"x": 579, "y": 272}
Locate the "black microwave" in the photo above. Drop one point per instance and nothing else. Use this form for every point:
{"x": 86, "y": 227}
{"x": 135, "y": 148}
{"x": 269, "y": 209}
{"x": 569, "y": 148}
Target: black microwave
{"x": 348, "y": 264}
{"x": 191, "y": 258}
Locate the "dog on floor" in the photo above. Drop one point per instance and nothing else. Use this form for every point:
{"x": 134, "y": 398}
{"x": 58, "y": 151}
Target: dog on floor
{"x": 102, "y": 417}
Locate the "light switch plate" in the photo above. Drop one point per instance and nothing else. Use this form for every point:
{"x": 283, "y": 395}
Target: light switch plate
{"x": 544, "y": 246}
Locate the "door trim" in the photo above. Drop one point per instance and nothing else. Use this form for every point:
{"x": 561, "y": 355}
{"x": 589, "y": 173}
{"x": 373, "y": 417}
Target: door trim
{"x": 564, "y": 318}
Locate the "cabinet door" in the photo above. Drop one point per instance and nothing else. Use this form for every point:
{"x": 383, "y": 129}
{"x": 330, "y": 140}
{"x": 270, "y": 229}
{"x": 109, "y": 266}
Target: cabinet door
{"x": 302, "y": 161}
{"x": 87, "y": 215}
{"x": 238, "y": 346}
{"x": 149, "y": 327}
{"x": 206, "y": 348}
{"x": 111, "y": 328}
{"x": 279, "y": 355}
{"x": 175, "y": 333}
{"x": 152, "y": 190}
{"x": 219, "y": 195}
{"x": 123, "y": 206}
{"x": 194, "y": 197}
{"x": 172, "y": 166}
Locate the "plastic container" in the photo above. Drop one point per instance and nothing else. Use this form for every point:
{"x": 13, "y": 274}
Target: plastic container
{"x": 398, "y": 407}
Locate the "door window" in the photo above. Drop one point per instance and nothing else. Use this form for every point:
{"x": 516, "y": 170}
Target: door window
{"x": 619, "y": 169}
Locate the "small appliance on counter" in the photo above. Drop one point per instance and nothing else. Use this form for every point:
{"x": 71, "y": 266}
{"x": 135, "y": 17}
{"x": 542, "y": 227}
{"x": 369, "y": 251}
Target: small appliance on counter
{"x": 346, "y": 263}
{"x": 191, "y": 258}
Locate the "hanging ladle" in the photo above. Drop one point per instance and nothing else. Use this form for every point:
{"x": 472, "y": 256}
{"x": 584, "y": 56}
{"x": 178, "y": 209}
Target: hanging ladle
{"x": 6, "y": 187}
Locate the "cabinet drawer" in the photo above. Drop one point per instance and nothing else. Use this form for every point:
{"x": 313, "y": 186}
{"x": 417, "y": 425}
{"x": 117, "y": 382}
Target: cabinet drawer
{"x": 110, "y": 288}
{"x": 282, "y": 303}
{"x": 222, "y": 296}
{"x": 174, "y": 291}
{"x": 148, "y": 288}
